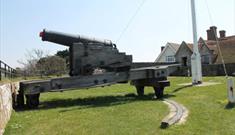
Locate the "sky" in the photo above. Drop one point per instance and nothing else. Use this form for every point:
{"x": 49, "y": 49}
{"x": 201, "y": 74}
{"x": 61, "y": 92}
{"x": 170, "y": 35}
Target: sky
{"x": 143, "y": 29}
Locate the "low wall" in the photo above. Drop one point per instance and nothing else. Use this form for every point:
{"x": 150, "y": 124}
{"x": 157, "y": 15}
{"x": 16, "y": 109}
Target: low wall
{"x": 207, "y": 70}
{"x": 6, "y": 92}
{"x": 218, "y": 69}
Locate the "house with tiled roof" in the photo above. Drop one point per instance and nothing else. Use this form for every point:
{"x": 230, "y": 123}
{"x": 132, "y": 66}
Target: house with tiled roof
{"x": 168, "y": 52}
{"x": 227, "y": 48}
{"x": 209, "y": 49}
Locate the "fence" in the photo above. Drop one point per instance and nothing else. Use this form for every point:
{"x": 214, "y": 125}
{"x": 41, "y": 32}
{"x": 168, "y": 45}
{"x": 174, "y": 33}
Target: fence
{"x": 6, "y": 71}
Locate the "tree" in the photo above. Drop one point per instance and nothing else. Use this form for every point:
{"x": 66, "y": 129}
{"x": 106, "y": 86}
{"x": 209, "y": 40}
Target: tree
{"x": 64, "y": 54}
{"x": 51, "y": 65}
{"x": 39, "y": 62}
{"x": 32, "y": 57}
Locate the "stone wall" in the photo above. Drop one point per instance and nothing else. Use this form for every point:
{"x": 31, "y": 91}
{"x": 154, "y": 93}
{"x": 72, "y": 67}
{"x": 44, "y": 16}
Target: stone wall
{"x": 6, "y": 92}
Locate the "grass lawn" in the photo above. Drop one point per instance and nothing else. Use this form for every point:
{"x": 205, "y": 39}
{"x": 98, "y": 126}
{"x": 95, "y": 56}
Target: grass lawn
{"x": 115, "y": 110}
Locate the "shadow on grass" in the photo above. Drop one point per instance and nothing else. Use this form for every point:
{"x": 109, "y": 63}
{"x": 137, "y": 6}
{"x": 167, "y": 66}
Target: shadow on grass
{"x": 230, "y": 106}
{"x": 181, "y": 88}
{"x": 91, "y": 102}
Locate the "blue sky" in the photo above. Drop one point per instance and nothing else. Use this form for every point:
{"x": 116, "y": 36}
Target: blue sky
{"x": 157, "y": 22}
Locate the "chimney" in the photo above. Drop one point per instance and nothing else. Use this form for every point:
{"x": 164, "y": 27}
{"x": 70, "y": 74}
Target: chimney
{"x": 209, "y": 34}
{"x": 162, "y": 48}
{"x": 222, "y": 33}
{"x": 212, "y": 33}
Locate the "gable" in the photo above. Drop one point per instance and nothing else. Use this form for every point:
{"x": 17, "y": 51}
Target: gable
{"x": 204, "y": 50}
{"x": 184, "y": 47}
{"x": 167, "y": 51}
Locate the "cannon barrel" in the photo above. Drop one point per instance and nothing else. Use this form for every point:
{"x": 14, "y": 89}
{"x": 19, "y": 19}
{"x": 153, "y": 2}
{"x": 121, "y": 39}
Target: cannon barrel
{"x": 68, "y": 39}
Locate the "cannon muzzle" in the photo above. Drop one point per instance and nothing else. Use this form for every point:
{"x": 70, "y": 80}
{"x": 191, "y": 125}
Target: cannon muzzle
{"x": 68, "y": 39}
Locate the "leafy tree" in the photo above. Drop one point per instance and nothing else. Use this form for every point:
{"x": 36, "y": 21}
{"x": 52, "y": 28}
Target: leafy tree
{"x": 64, "y": 54}
{"x": 51, "y": 65}
{"x": 38, "y": 62}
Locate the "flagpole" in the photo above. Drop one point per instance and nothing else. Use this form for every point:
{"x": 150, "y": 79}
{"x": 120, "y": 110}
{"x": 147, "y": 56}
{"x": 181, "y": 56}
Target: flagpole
{"x": 195, "y": 58}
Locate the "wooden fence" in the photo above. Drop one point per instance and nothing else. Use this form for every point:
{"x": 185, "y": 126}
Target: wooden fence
{"x": 6, "y": 71}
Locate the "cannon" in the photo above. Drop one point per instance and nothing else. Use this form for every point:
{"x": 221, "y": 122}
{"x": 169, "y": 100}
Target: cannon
{"x": 87, "y": 55}
{"x": 69, "y": 39}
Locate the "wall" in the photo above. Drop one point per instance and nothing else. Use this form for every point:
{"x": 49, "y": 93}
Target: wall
{"x": 217, "y": 69}
{"x": 208, "y": 70}
{"x": 6, "y": 91}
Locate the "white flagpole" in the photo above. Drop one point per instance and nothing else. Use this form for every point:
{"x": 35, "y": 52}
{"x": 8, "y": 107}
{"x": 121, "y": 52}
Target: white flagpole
{"x": 195, "y": 58}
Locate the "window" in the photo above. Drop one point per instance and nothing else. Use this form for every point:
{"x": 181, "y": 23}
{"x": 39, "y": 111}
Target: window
{"x": 170, "y": 58}
{"x": 205, "y": 59}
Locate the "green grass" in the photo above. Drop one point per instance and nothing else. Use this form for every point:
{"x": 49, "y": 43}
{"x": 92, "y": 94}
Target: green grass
{"x": 115, "y": 111}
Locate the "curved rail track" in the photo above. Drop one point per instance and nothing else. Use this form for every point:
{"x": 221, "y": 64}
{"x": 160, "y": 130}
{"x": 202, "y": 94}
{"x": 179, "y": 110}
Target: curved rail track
{"x": 178, "y": 113}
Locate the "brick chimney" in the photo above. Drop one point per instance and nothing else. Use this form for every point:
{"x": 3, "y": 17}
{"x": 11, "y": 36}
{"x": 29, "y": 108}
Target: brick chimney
{"x": 212, "y": 33}
{"x": 162, "y": 48}
{"x": 222, "y": 33}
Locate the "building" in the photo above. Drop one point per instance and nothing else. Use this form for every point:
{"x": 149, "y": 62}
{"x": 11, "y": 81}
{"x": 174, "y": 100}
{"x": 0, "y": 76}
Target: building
{"x": 209, "y": 49}
{"x": 168, "y": 52}
{"x": 227, "y": 48}
{"x": 183, "y": 55}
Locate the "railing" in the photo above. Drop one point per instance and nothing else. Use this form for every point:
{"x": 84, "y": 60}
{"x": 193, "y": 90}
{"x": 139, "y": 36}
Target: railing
{"x": 6, "y": 71}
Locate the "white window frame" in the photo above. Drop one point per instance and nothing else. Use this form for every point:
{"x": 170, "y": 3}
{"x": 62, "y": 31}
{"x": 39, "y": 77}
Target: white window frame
{"x": 170, "y": 58}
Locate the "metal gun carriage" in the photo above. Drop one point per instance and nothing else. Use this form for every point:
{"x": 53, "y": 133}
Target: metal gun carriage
{"x": 87, "y": 55}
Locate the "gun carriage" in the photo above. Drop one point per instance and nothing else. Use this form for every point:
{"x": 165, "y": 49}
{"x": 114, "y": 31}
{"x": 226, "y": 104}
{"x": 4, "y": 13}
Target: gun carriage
{"x": 86, "y": 56}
